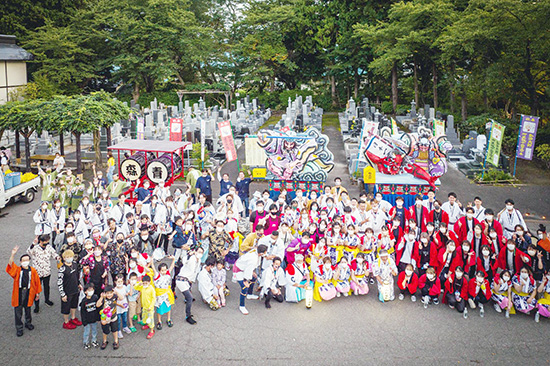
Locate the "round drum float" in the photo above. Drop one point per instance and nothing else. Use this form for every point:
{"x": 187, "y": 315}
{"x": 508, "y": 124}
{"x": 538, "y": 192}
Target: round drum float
{"x": 160, "y": 169}
{"x": 133, "y": 167}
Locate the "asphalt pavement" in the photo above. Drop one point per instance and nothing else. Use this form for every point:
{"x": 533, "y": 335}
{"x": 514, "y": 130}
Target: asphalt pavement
{"x": 345, "y": 331}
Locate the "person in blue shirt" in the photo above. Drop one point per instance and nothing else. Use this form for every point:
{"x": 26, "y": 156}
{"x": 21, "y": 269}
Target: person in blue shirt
{"x": 225, "y": 183}
{"x": 243, "y": 190}
{"x": 143, "y": 193}
{"x": 203, "y": 184}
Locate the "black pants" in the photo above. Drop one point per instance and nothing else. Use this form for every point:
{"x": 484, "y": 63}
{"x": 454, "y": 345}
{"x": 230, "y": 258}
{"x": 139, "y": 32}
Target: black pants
{"x": 458, "y": 305}
{"x": 46, "y": 288}
{"x": 269, "y": 296}
{"x": 426, "y": 292}
{"x": 163, "y": 242}
{"x": 480, "y": 299}
{"x": 405, "y": 292}
{"x": 188, "y": 302}
{"x": 18, "y": 310}
{"x": 401, "y": 266}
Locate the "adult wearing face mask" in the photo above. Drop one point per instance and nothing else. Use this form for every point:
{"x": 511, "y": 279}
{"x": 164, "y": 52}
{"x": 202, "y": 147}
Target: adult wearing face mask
{"x": 219, "y": 241}
{"x": 487, "y": 262}
{"x": 437, "y": 216}
{"x": 257, "y": 217}
{"x": 522, "y": 238}
{"x": 71, "y": 244}
{"x": 186, "y": 277}
{"x": 512, "y": 259}
{"x": 464, "y": 227}
{"x": 42, "y": 220}
{"x": 144, "y": 242}
{"x": 26, "y": 289}
{"x": 543, "y": 245}
{"x": 496, "y": 243}
{"x": 502, "y": 292}
{"x": 524, "y": 291}
{"x": 427, "y": 254}
{"x": 99, "y": 268}
{"x": 68, "y": 279}
{"x": 537, "y": 263}
{"x": 203, "y": 184}
{"x": 509, "y": 217}
{"x": 456, "y": 291}
{"x": 479, "y": 292}
{"x": 118, "y": 256}
{"x": 42, "y": 255}
{"x": 273, "y": 220}
{"x": 418, "y": 212}
{"x": 225, "y": 183}
{"x": 407, "y": 252}
{"x": 244, "y": 272}
{"x": 489, "y": 222}
{"x": 447, "y": 261}
{"x": 407, "y": 281}
{"x": 543, "y": 304}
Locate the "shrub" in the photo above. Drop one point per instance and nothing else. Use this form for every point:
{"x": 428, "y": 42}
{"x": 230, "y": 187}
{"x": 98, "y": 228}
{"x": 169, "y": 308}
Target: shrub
{"x": 492, "y": 175}
{"x": 543, "y": 153}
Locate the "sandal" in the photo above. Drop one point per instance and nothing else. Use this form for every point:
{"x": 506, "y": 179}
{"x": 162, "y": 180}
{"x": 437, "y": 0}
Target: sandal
{"x": 159, "y": 325}
{"x": 170, "y": 324}
{"x": 115, "y": 345}
{"x": 104, "y": 344}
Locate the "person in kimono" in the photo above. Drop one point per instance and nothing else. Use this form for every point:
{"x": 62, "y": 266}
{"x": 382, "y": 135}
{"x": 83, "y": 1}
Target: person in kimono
{"x": 543, "y": 304}
{"x": 509, "y": 217}
{"x": 502, "y": 292}
{"x": 42, "y": 220}
{"x": 273, "y": 279}
{"x": 359, "y": 275}
{"x": 384, "y": 270}
{"x": 342, "y": 277}
{"x": 324, "y": 287}
{"x": 297, "y": 280}
{"x": 524, "y": 291}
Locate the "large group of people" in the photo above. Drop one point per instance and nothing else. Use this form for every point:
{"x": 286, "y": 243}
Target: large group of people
{"x": 124, "y": 255}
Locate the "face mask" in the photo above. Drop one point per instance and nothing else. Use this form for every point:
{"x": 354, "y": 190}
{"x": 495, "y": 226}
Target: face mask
{"x": 57, "y": 205}
{"x": 443, "y": 230}
{"x": 132, "y": 265}
{"x": 469, "y": 215}
{"x": 452, "y": 248}
{"x": 424, "y": 240}
{"x": 229, "y": 202}
{"x": 44, "y": 207}
{"x": 25, "y": 264}
{"x": 489, "y": 218}
{"x": 430, "y": 277}
{"x": 511, "y": 247}
{"x": 120, "y": 241}
{"x": 69, "y": 260}
{"x": 134, "y": 255}
{"x": 133, "y": 282}
{"x": 90, "y": 293}
{"x": 85, "y": 203}
{"x": 486, "y": 252}
{"x": 430, "y": 229}
{"x": 260, "y": 209}
{"x": 153, "y": 201}
{"x": 119, "y": 285}
{"x": 408, "y": 272}
{"x": 540, "y": 236}
{"x": 509, "y": 207}
{"x": 524, "y": 275}
{"x": 219, "y": 229}
{"x": 95, "y": 235}
{"x": 532, "y": 252}
{"x": 188, "y": 227}
{"x": 465, "y": 248}
{"x": 436, "y": 207}
{"x": 459, "y": 275}
{"x": 493, "y": 235}
{"x": 329, "y": 204}
{"x": 519, "y": 233}
{"x": 70, "y": 241}
{"x": 480, "y": 279}
{"x": 411, "y": 237}
{"x": 506, "y": 278}
{"x": 396, "y": 223}
{"x": 69, "y": 229}
{"x": 360, "y": 260}
{"x": 145, "y": 285}
{"x": 145, "y": 237}
{"x": 97, "y": 253}
{"x": 478, "y": 232}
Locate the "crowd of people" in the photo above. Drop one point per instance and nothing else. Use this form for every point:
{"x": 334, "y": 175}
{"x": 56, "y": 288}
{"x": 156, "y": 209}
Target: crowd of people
{"x": 123, "y": 255}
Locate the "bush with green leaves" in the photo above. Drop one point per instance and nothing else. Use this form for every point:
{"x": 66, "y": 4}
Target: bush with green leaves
{"x": 543, "y": 153}
{"x": 493, "y": 175}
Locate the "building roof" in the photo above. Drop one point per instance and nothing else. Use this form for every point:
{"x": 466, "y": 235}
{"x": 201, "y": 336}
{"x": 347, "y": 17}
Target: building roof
{"x": 9, "y": 51}
{"x": 152, "y": 145}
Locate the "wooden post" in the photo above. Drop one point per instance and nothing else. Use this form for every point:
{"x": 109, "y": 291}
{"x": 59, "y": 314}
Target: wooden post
{"x": 17, "y": 145}
{"x": 78, "y": 153}
{"x": 61, "y": 144}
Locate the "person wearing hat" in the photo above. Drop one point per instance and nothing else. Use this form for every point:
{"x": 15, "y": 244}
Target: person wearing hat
{"x": 68, "y": 282}
{"x": 26, "y": 288}
{"x": 257, "y": 196}
{"x": 509, "y": 217}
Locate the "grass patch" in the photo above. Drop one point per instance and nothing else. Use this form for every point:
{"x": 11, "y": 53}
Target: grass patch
{"x": 331, "y": 119}
{"x": 275, "y": 117}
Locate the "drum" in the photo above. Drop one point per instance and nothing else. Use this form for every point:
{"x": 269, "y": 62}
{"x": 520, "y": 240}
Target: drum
{"x": 160, "y": 169}
{"x": 133, "y": 167}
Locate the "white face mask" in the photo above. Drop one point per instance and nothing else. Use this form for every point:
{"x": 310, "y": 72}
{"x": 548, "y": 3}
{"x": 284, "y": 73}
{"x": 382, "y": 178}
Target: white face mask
{"x": 119, "y": 285}
{"x": 465, "y": 248}
{"x": 76, "y": 217}
{"x": 452, "y": 248}
{"x": 145, "y": 237}
{"x": 133, "y": 255}
{"x": 97, "y": 253}
{"x": 443, "y": 230}
{"x": 396, "y": 223}
{"x": 188, "y": 227}
{"x": 519, "y": 233}
{"x": 469, "y": 215}
{"x": 459, "y": 275}
{"x": 524, "y": 275}
{"x": 506, "y": 278}
{"x": 480, "y": 279}
{"x": 69, "y": 260}
{"x": 132, "y": 265}
{"x": 133, "y": 282}
{"x": 478, "y": 232}
{"x": 540, "y": 236}
{"x": 430, "y": 229}
{"x": 493, "y": 235}
{"x": 489, "y": 218}
{"x": 408, "y": 272}
{"x": 424, "y": 240}
{"x": 511, "y": 247}
{"x": 411, "y": 237}
{"x": 532, "y": 252}
{"x": 90, "y": 293}
{"x": 486, "y": 252}
{"x": 509, "y": 207}
{"x": 145, "y": 285}
{"x": 219, "y": 229}
{"x": 70, "y": 240}
{"x": 25, "y": 264}
{"x": 430, "y": 276}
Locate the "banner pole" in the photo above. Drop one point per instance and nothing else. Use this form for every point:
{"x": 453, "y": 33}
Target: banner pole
{"x": 517, "y": 145}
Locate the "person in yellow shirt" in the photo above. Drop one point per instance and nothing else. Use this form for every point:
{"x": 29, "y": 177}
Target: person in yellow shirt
{"x": 148, "y": 299}
{"x": 338, "y": 189}
{"x": 110, "y": 167}
{"x": 251, "y": 239}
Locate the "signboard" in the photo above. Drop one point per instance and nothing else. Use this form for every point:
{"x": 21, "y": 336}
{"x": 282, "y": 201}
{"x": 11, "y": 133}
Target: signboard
{"x": 176, "y": 129}
{"x": 226, "y": 136}
{"x": 495, "y": 143}
{"x": 140, "y": 128}
{"x": 369, "y": 175}
{"x": 527, "y": 135}
{"x": 439, "y": 127}
{"x": 255, "y": 155}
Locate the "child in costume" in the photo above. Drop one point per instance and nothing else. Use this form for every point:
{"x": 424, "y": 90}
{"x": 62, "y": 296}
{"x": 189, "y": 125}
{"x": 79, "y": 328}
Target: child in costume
{"x": 324, "y": 288}
{"x": 359, "y": 275}
{"x": 342, "y": 276}
{"x": 502, "y": 292}
{"x": 407, "y": 281}
{"x": 165, "y": 296}
{"x": 148, "y": 299}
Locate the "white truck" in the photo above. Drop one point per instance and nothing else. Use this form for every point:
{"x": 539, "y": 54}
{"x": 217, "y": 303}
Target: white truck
{"x": 24, "y": 191}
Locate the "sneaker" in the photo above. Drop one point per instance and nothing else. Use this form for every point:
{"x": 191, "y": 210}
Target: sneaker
{"x": 472, "y": 303}
{"x": 413, "y": 298}
{"x": 507, "y": 315}
{"x": 159, "y": 325}
{"x": 150, "y": 335}
{"x": 465, "y": 313}
{"x": 481, "y": 310}
{"x": 436, "y": 301}
{"x": 133, "y": 329}
{"x": 243, "y": 310}
{"x": 120, "y": 335}
{"x": 381, "y": 297}
{"x": 87, "y": 346}
{"x": 95, "y": 344}
{"x": 267, "y": 305}
{"x": 252, "y": 297}
{"x": 127, "y": 330}
{"x": 451, "y": 307}
{"x": 401, "y": 297}
{"x": 144, "y": 327}
{"x": 169, "y": 323}
{"x": 76, "y": 322}
{"x": 372, "y": 281}
{"x": 346, "y": 294}
{"x": 69, "y": 325}
{"x": 425, "y": 301}
{"x": 115, "y": 345}
{"x": 338, "y": 294}
{"x": 497, "y": 308}
{"x": 29, "y": 326}
{"x": 537, "y": 317}
{"x": 190, "y": 320}
{"x": 104, "y": 344}
{"x": 19, "y": 332}
{"x": 49, "y": 303}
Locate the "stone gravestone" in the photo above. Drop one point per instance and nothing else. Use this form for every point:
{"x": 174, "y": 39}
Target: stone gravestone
{"x": 451, "y": 132}
{"x": 481, "y": 142}
{"x": 42, "y": 148}
{"x": 427, "y": 111}
{"x": 413, "y": 110}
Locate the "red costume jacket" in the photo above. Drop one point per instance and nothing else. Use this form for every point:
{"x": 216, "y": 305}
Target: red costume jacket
{"x": 461, "y": 228}
{"x": 411, "y": 214}
{"x": 399, "y": 252}
{"x": 444, "y": 217}
{"x": 497, "y": 225}
{"x": 482, "y": 292}
{"x": 435, "y": 290}
{"x": 412, "y": 285}
{"x": 518, "y": 262}
{"x": 449, "y": 287}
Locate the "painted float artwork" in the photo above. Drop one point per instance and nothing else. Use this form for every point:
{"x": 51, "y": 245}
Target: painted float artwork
{"x": 421, "y": 154}
{"x": 296, "y": 156}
